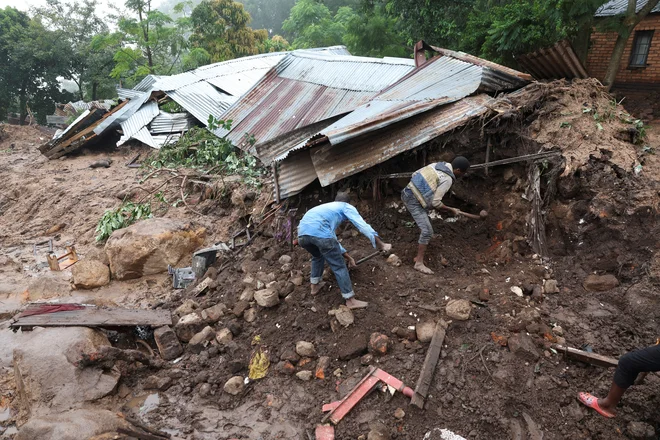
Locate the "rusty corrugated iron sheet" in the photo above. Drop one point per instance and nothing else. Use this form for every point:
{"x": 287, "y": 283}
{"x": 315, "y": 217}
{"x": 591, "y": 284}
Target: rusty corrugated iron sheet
{"x": 306, "y": 88}
{"x": 336, "y": 162}
{"x": 295, "y": 173}
{"x": 556, "y": 62}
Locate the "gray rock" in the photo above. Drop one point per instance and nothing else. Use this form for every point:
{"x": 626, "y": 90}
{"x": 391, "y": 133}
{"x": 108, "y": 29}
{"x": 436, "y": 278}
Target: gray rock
{"x": 600, "y": 283}
{"x": 343, "y": 314}
{"x": 304, "y": 375}
{"x": 550, "y": 286}
{"x": 90, "y": 274}
{"x": 305, "y": 349}
{"x": 188, "y": 326}
{"x": 247, "y": 295}
{"x": 167, "y": 342}
{"x": 213, "y": 314}
{"x": 71, "y": 425}
{"x": 224, "y": 336}
{"x": 425, "y": 331}
{"x": 157, "y": 383}
{"x": 285, "y": 259}
{"x": 267, "y": 298}
{"x": 199, "y": 341}
{"x": 250, "y": 315}
{"x": 640, "y": 431}
{"x": 523, "y": 347}
{"x": 189, "y": 306}
{"x": 234, "y": 385}
{"x": 459, "y": 309}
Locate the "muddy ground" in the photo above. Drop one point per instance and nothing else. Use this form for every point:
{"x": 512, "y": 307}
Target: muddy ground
{"x": 601, "y": 219}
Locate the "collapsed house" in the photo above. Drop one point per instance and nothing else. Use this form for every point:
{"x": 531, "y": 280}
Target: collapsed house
{"x": 310, "y": 114}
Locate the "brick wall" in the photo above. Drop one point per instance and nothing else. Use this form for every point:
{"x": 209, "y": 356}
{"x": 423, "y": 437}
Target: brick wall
{"x": 602, "y": 45}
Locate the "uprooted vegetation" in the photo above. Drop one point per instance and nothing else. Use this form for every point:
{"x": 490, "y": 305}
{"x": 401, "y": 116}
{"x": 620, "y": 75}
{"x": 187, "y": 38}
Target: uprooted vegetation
{"x": 590, "y": 283}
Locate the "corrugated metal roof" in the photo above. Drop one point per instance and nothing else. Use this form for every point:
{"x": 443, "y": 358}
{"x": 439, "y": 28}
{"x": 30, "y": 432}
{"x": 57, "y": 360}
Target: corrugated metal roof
{"x": 619, "y": 7}
{"x": 559, "y": 61}
{"x": 295, "y": 174}
{"x": 123, "y": 113}
{"x": 147, "y": 83}
{"x": 138, "y": 120}
{"x": 128, "y": 93}
{"x": 335, "y": 162}
{"x": 60, "y": 134}
{"x": 171, "y": 123}
{"x": 306, "y": 88}
{"x": 201, "y": 100}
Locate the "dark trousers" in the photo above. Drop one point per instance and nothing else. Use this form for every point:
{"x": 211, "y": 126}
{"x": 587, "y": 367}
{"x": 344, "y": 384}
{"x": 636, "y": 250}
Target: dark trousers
{"x": 327, "y": 249}
{"x": 639, "y": 361}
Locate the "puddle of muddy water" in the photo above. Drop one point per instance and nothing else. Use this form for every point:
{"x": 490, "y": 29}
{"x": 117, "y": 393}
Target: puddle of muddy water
{"x": 143, "y": 404}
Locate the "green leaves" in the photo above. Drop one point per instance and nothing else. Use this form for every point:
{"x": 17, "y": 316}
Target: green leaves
{"x": 125, "y": 215}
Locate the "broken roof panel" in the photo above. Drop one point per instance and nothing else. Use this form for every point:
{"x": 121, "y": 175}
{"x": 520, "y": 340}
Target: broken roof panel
{"x": 138, "y": 120}
{"x": 122, "y": 113}
{"x": 558, "y": 61}
{"x": 201, "y": 100}
{"x": 171, "y": 123}
{"x": 306, "y": 88}
{"x": 619, "y": 7}
{"x": 147, "y": 83}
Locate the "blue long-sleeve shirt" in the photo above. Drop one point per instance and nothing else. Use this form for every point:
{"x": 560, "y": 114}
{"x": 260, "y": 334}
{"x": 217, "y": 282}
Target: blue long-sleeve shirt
{"x": 323, "y": 220}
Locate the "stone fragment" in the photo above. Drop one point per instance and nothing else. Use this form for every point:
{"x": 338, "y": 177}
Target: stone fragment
{"x": 393, "y": 260}
{"x": 286, "y": 290}
{"x": 285, "y": 367}
{"x": 600, "y": 283}
{"x": 285, "y": 259}
{"x": 322, "y": 367}
{"x": 240, "y": 307}
{"x": 640, "y": 431}
{"x": 167, "y": 342}
{"x": 149, "y": 246}
{"x": 250, "y": 315}
{"x": 224, "y": 336}
{"x": 550, "y": 286}
{"x": 189, "y": 306}
{"x": 90, "y": 274}
{"x": 188, "y": 326}
{"x": 399, "y": 413}
{"x": 343, "y": 314}
{"x": 289, "y": 355}
{"x": 305, "y": 349}
{"x": 71, "y": 425}
{"x": 406, "y": 333}
{"x": 484, "y": 295}
{"x": 378, "y": 343}
{"x": 304, "y": 375}
{"x": 199, "y": 341}
{"x": 247, "y": 295}
{"x": 425, "y": 331}
{"x": 213, "y": 314}
{"x": 297, "y": 278}
{"x": 459, "y": 309}
{"x": 234, "y": 386}
{"x": 157, "y": 383}
{"x": 367, "y": 359}
{"x": 517, "y": 290}
{"x": 267, "y": 297}
{"x": 522, "y": 346}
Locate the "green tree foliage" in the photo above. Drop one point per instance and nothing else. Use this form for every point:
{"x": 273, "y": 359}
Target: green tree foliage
{"x": 268, "y": 14}
{"x": 311, "y": 24}
{"x": 220, "y": 27}
{"x": 275, "y": 44}
{"x": 31, "y": 59}
{"x": 373, "y": 33}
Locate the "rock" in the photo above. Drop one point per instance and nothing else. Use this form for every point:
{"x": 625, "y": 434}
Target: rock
{"x": 393, "y": 260}
{"x": 517, "y": 290}
{"x": 167, "y": 342}
{"x": 46, "y": 374}
{"x": 459, "y": 309}
{"x": 352, "y": 347}
{"x": 267, "y": 298}
{"x": 297, "y": 278}
{"x": 367, "y": 359}
{"x": 322, "y": 367}
{"x": 188, "y": 326}
{"x": 90, "y": 274}
{"x": 425, "y": 331}
{"x": 213, "y": 314}
{"x": 199, "y": 341}
{"x": 285, "y": 259}
{"x": 405, "y": 333}
{"x": 71, "y": 425}
{"x": 286, "y": 290}
{"x": 240, "y": 307}
{"x": 378, "y": 343}
{"x": 101, "y": 163}
{"x": 157, "y": 383}
{"x": 305, "y": 349}
{"x": 484, "y": 295}
{"x": 149, "y": 246}
{"x": 247, "y": 295}
{"x": 537, "y": 293}
{"x": 343, "y": 314}
{"x": 289, "y": 355}
{"x": 304, "y": 375}
{"x": 399, "y": 413}
{"x": 558, "y": 330}
{"x": 250, "y": 314}
{"x": 527, "y": 316}
{"x": 600, "y": 283}
{"x": 640, "y": 431}
{"x": 224, "y": 336}
{"x": 234, "y": 385}
{"x": 378, "y": 431}
{"x": 550, "y": 286}
{"x": 285, "y": 367}
{"x": 50, "y": 285}
{"x": 522, "y": 346}
{"x": 189, "y": 306}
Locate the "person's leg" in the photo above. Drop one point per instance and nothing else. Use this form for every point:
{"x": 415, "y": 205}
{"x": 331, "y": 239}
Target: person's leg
{"x": 423, "y": 221}
{"x": 332, "y": 254}
{"x": 318, "y": 262}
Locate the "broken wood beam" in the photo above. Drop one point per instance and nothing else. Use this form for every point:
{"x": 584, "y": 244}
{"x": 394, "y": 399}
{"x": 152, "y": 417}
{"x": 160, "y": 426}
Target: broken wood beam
{"x": 38, "y": 315}
{"x": 428, "y": 368}
{"x": 586, "y": 357}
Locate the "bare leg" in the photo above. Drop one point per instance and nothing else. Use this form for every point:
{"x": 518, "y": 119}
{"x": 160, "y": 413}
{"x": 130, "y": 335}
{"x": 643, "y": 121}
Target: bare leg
{"x": 353, "y": 303}
{"x": 419, "y": 260}
{"x": 316, "y": 288}
{"x": 610, "y": 402}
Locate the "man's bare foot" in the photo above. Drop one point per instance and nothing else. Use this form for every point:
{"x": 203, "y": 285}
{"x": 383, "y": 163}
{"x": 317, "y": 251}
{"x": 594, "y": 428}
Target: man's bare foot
{"x": 353, "y": 303}
{"x": 419, "y": 266}
{"x": 316, "y": 288}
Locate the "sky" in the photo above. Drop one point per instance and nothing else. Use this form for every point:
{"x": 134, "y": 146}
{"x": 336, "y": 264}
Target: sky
{"x": 25, "y": 5}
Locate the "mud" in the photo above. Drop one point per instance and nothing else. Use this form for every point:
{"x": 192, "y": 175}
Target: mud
{"x": 600, "y": 218}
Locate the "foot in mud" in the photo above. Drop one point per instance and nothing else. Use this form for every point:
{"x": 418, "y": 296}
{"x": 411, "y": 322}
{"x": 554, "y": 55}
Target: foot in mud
{"x": 353, "y": 303}
{"x": 594, "y": 403}
{"x": 316, "y": 288}
{"x": 422, "y": 268}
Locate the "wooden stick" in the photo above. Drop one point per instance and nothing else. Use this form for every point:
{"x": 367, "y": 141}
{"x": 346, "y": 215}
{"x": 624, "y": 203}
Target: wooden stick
{"x": 432, "y": 356}
{"x": 586, "y": 357}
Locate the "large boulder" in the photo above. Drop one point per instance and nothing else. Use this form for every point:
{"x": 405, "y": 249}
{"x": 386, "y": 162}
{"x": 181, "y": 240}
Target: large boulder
{"x": 47, "y": 376}
{"x": 71, "y": 425}
{"x": 90, "y": 274}
{"x": 149, "y": 246}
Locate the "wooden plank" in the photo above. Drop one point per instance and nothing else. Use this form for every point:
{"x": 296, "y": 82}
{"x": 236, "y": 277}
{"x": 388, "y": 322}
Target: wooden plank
{"x": 95, "y": 317}
{"x": 586, "y": 357}
{"x": 432, "y": 356}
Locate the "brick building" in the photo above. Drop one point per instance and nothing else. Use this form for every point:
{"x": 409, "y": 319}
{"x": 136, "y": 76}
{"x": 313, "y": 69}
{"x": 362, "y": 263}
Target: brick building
{"x": 640, "y": 65}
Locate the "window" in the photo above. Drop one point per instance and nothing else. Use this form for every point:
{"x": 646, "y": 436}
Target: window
{"x": 640, "y": 48}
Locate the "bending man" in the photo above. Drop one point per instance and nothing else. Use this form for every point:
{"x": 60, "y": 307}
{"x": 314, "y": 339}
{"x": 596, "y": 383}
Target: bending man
{"x": 424, "y": 192}
{"x": 631, "y": 365}
{"x": 316, "y": 234}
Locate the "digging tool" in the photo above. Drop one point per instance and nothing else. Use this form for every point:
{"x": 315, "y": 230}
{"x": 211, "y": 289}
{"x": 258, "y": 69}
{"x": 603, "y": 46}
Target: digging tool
{"x": 482, "y": 215}
{"x": 337, "y": 410}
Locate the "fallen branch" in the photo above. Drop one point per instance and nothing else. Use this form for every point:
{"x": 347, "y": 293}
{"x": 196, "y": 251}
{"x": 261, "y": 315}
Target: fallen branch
{"x": 143, "y": 426}
{"x": 106, "y": 356}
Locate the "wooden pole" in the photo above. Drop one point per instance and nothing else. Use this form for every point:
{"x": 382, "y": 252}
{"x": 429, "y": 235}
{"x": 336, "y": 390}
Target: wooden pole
{"x": 277, "y": 184}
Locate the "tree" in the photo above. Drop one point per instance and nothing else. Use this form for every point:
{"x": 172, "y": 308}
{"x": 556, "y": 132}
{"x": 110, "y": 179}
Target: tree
{"x": 275, "y": 44}
{"x": 373, "y": 33}
{"x": 31, "y": 60}
{"x": 628, "y": 22}
{"x": 268, "y": 14}
{"x": 312, "y": 25}
{"x": 220, "y": 27}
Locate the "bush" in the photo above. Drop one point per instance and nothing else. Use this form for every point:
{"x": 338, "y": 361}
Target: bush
{"x": 124, "y": 216}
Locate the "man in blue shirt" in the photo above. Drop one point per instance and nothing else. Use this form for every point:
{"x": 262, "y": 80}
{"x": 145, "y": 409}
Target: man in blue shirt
{"x": 316, "y": 234}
